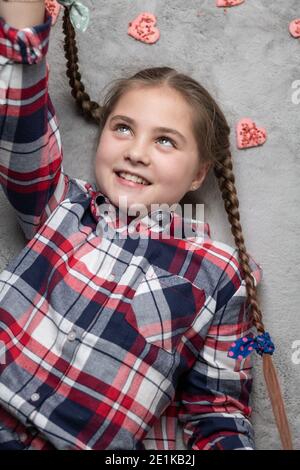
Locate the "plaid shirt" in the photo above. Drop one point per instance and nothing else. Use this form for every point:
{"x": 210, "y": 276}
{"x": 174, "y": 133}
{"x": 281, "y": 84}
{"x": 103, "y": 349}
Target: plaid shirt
{"x": 111, "y": 342}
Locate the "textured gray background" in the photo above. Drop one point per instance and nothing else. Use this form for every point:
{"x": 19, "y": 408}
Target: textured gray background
{"x": 247, "y": 59}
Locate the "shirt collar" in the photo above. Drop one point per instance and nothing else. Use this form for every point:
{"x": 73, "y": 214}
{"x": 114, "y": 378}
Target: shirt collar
{"x": 155, "y": 222}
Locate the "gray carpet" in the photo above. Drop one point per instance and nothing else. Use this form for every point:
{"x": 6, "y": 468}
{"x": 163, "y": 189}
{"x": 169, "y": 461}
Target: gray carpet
{"x": 248, "y": 61}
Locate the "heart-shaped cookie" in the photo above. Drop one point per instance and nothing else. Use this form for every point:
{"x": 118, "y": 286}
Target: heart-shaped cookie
{"x": 248, "y": 135}
{"x": 294, "y": 28}
{"x": 228, "y": 3}
{"x": 142, "y": 28}
{"x": 53, "y": 8}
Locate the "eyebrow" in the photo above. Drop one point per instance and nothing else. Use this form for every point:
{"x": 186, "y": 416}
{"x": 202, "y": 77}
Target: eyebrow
{"x": 159, "y": 129}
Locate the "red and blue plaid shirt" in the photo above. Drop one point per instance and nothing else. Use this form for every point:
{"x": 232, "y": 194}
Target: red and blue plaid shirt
{"x": 110, "y": 342}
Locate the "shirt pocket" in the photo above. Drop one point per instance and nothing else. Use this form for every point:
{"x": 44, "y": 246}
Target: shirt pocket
{"x": 164, "y": 307}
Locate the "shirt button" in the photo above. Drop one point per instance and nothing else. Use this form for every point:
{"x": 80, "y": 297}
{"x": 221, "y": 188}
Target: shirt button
{"x": 72, "y": 335}
{"x": 35, "y": 397}
{"x": 111, "y": 277}
{"x": 23, "y": 437}
{"x": 100, "y": 200}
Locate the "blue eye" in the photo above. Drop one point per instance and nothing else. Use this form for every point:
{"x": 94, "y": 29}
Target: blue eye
{"x": 163, "y": 137}
{"x": 118, "y": 126}
{"x": 167, "y": 138}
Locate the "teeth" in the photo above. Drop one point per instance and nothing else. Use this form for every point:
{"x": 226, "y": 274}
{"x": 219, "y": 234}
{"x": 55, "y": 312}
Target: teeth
{"x": 136, "y": 179}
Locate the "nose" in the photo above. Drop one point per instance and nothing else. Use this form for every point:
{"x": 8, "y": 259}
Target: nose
{"x": 138, "y": 153}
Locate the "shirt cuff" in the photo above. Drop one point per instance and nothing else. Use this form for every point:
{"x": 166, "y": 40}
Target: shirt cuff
{"x": 26, "y": 45}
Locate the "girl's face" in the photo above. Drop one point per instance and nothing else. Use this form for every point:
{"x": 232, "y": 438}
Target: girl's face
{"x": 149, "y": 135}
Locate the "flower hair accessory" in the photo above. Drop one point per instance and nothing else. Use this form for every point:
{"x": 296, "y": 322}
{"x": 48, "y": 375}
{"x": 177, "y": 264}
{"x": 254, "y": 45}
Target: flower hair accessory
{"x": 244, "y": 346}
{"x": 79, "y": 14}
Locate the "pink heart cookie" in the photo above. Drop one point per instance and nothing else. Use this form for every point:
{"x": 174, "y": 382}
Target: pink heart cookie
{"x": 248, "y": 135}
{"x": 294, "y": 28}
{"x": 53, "y": 8}
{"x": 228, "y": 3}
{"x": 142, "y": 28}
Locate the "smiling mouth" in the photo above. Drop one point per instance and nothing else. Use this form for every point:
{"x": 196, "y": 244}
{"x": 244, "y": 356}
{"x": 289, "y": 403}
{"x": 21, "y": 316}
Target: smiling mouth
{"x": 131, "y": 180}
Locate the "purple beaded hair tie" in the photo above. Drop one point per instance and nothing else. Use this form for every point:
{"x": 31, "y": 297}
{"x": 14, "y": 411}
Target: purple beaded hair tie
{"x": 244, "y": 346}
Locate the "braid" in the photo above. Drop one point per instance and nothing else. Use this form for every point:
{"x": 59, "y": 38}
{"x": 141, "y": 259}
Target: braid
{"x": 226, "y": 180}
{"x": 90, "y": 109}
{"x": 225, "y": 177}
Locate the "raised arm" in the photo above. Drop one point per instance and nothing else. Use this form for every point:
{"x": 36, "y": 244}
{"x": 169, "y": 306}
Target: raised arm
{"x": 31, "y": 171}
{"x": 22, "y": 14}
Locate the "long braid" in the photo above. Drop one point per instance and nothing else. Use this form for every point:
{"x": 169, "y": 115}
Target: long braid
{"x": 226, "y": 181}
{"x": 89, "y": 108}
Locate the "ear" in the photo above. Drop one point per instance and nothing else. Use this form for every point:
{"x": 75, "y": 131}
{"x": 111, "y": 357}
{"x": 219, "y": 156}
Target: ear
{"x": 200, "y": 176}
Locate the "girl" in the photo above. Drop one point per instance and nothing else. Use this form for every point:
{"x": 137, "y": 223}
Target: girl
{"x": 111, "y": 340}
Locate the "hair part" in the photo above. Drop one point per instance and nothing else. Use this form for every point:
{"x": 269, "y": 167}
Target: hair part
{"x": 212, "y": 133}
